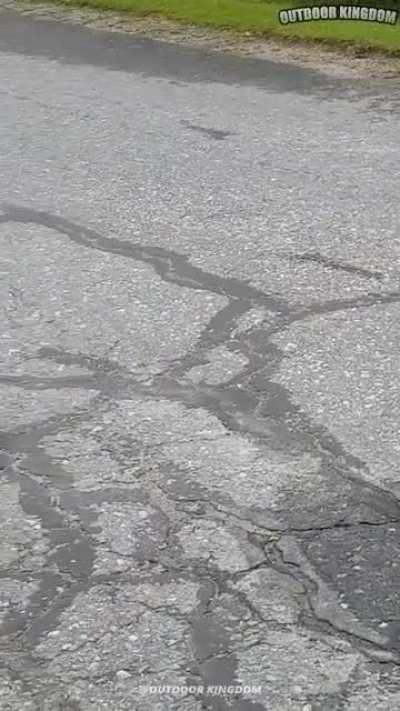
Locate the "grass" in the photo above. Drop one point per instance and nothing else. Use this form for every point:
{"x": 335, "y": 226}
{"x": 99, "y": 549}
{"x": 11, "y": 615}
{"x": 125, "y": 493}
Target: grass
{"x": 261, "y": 17}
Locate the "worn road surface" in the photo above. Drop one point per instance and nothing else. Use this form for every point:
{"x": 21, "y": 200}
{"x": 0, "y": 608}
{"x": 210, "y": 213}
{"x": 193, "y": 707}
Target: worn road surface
{"x": 199, "y": 378}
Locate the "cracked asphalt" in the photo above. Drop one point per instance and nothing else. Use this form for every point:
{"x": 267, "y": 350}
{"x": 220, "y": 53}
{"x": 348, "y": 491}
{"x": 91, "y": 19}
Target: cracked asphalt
{"x": 199, "y": 378}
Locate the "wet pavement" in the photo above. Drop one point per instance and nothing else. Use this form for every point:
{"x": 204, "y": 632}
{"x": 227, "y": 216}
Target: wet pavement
{"x": 199, "y": 380}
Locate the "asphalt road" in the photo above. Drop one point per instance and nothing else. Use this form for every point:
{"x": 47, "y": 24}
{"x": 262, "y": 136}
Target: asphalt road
{"x": 199, "y": 380}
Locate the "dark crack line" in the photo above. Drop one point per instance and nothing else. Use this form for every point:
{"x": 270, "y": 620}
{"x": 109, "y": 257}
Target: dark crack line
{"x": 330, "y": 263}
{"x": 229, "y": 399}
{"x": 29, "y": 382}
{"x": 341, "y": 525}
{"x": 170, "y": 266}
{"x": 232, "y": 403}
{"x": 374, "y": 648}
{"x": 338, "y": 305}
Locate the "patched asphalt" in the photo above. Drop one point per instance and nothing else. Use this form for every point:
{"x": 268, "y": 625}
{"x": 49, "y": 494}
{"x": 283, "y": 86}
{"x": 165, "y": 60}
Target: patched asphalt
{"x": 199, "y": 380}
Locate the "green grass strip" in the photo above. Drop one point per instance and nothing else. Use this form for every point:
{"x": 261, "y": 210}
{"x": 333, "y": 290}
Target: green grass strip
{"x": 260, "y": 17}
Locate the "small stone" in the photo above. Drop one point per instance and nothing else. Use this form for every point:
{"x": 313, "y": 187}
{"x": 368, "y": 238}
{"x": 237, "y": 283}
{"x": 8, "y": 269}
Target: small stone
{"x": 123, "y": 674}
